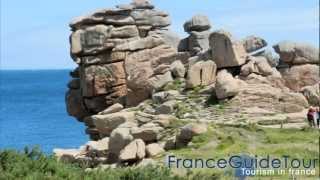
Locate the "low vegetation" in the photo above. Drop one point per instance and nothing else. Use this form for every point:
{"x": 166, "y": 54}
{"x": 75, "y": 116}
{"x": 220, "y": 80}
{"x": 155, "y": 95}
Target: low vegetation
{"x": 220, "y": 141}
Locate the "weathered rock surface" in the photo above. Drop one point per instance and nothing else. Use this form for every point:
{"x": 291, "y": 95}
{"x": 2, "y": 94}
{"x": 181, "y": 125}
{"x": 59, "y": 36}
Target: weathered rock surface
{"x": 226, "y": 51}
{"x": 299, "y": 76}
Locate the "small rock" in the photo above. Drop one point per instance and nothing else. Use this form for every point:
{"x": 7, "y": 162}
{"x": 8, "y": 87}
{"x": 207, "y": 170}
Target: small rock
{"x": 163, "y": 120}
{"x": 164, "y": 96}
{"x": 144, "y": 118}
{"x": 166, "y": 108}
{"x": 191, "y": 130}
{"x": 159, "y": 81}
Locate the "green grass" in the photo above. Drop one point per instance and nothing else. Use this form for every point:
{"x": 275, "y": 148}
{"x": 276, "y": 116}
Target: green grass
{"x": 34, "y": 165}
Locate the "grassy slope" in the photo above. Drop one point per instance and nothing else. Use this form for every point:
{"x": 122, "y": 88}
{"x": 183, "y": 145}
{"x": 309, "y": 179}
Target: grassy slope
{"x": 222, "y": 141}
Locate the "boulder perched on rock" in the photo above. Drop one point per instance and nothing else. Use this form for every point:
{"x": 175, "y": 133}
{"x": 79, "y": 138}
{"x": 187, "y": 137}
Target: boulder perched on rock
{"x": 226, "y": 85}
{"x": 197, "y": 23}
{"x": 297, "y": 53}
{"x": 226, "y": 51}
{"x": 253, "y": 43}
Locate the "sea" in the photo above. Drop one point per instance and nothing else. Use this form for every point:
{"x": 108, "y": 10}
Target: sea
{"x": 33, "y": 111}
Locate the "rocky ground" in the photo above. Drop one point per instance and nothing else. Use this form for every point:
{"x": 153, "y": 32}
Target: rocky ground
{"x": 141, "y": 90}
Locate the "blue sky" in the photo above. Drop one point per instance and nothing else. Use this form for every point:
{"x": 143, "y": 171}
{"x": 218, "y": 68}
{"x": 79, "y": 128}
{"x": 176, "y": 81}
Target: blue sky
{"x": 34, "y": 33}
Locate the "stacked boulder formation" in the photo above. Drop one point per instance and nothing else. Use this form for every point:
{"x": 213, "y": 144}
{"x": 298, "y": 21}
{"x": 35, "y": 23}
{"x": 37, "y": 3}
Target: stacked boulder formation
{"x": 141, "y": 90}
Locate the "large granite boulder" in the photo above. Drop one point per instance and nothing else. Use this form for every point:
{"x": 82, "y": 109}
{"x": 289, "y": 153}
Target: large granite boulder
{"x": 297, "y": 53}
{"x": 227, "y": 86}
{"x": 226, "y": 51}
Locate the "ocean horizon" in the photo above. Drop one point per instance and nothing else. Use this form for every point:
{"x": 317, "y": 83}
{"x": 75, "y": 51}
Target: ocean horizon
{"x": 33, "y": 111}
